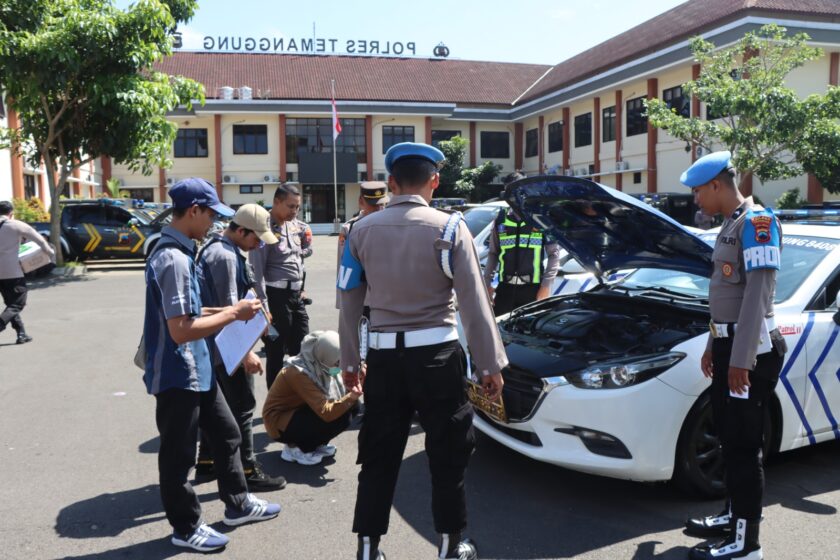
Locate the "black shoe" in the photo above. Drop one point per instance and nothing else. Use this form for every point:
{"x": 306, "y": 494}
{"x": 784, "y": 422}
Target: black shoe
{"x": 456, "y": 548}
{"x": 204, "y": 470}
{"x": 259, "y": 481}
{"x": 742, "y": 544}
{"x": 23, "y": 338}
{"x": 369, "y": 549}
{"x": 307, "y": 301}
{"x": 719, "y": 525}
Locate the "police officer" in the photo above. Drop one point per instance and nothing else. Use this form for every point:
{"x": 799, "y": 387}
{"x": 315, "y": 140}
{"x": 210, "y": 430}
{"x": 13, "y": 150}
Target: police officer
{"x": 305, "y": 234}
{"x": 373, "y": 196}
{"x": 178, "y": 372}
{"x": 225, "y": 278}
{"x": 404, "y": 262}
{"x": 518, "y": 250}
{"x": 744, "y": 352}
{"x": 278, "y": 273}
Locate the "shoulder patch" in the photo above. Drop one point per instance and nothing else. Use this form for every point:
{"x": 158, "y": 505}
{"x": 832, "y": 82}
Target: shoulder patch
{"x": 760, "y": 240}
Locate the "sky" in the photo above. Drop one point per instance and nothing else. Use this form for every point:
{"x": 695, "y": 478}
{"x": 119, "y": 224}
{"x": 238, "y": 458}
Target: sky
{"x": 530, "y": 31}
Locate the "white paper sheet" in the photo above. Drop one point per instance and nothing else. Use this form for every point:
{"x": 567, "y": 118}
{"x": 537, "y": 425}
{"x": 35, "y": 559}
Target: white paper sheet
{"x": 236, "y": 339}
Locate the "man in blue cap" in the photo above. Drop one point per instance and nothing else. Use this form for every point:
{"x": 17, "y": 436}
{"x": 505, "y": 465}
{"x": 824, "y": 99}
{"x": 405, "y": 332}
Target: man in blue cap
{"x": 415, "y": 362}
{"x": 179, "y": 374}
{"x": 744, "y": 352}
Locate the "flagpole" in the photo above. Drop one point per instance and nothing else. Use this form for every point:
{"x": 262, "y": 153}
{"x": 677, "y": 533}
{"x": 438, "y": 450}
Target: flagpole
{"x": 336, "y": 221}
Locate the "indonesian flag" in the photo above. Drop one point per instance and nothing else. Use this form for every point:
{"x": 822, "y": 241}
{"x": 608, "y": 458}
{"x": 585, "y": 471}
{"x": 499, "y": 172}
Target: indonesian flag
{"x": 336, "y": 123}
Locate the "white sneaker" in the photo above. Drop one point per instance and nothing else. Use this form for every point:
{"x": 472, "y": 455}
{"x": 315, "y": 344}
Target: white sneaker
{"x": 295, "y": 455}
{"x": 325, "y": 450}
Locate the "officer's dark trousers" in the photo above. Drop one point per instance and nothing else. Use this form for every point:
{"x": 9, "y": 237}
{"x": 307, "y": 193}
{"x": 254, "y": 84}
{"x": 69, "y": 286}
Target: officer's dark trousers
{"x": 238, "y": 390}
{"x": 430, "y": 380}
{"x": 291, "y": 321}
{"x": 740, "y": 425}
{"x": 307, "y": 430}
{"x": 510, "y": 296}
{"x": 179, "y": 415}
{"x": 14, "y": 292}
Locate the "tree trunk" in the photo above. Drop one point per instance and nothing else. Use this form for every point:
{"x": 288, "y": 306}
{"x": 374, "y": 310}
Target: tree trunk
{"x": 55, "y": 208}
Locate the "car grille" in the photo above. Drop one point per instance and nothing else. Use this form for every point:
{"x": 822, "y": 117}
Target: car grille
{"x": 525, "y": 437}
{"x": 521, "y": 392}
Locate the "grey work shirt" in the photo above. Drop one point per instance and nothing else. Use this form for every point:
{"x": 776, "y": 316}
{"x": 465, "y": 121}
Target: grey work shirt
{"x": 12, "y": 234}
{"x": 279, "y": 261}
{"x": 738, "y": 296}
{"x": 406, "y": 289}
{"x": 550, "y": 250}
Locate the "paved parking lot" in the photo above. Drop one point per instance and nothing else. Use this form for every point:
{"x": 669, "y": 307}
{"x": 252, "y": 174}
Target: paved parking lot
{"x": 79, "y": 464}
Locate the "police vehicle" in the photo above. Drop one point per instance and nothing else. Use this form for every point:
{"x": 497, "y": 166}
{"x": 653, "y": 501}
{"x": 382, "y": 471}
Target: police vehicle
{"x": 608, "y": 382}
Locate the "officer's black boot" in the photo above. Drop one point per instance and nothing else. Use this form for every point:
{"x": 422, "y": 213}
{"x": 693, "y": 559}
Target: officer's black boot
{"x": 742, "y": 544}
{"x": 369, "y": 549}
{"x": 719, "y": 525}
{"x": 451, "y": 546}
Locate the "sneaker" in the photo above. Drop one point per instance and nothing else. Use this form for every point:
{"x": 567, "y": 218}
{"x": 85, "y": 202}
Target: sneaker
{"x": 23, "y": 338}
{"x": 259, "y": 481}
{"x": 203, "y": 539}
{"x": 742, "y": 544}
{"x": 204, "y": 470}
{"x": 325, "y": 450}
{"x": 719, "y": 525}
{"x": 295, "y": 455}
{"x": 369, "y": 549}
{"x": 463, "y": 550}
{"x": 255, "y": 510}
{"x": 306, "y": 301}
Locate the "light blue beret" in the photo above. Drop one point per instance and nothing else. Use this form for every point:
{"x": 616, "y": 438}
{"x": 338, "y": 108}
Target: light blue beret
{"x": 705, "y": 169}
{"x": 412, "y": 150}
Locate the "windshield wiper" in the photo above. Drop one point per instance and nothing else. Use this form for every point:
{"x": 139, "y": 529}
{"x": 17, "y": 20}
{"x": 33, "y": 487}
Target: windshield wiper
{"x": 660, "y": 290}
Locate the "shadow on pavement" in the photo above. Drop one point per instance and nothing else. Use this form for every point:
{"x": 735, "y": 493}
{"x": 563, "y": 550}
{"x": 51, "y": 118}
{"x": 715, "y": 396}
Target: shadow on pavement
{"x": 524, "y": 509}
{"x": 150, "y": 446}
{"x": 153, "y": 550}
{"x": 52, "y": 281}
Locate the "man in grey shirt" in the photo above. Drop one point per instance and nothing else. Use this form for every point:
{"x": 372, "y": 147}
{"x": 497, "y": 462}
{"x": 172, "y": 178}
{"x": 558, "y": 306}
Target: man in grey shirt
{"x": 12, "y": 281}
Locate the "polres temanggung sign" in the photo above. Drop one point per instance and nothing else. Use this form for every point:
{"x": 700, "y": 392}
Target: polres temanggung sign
{"x": 223, "y": 43}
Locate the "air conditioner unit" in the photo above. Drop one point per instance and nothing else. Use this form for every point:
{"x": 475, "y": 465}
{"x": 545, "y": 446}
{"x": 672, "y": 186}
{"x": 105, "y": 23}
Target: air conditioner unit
{"x": 290, "y": 176}
{"x": 380, "y": 176}
{"x": 567, "y": 172}
{"x": 170, "y": 181}
{"x": 580, "y": 171}
{"x": 701, "y": 151}
{"x": 122, "y": 182}
{"x": 228, "y": 178}
{"x": 270, "y": 179}
{"x": 622, "y": 165}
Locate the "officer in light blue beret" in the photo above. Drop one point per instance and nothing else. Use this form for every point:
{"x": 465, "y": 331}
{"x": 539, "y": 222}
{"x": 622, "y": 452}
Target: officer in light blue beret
{"x": 744, "y": 351}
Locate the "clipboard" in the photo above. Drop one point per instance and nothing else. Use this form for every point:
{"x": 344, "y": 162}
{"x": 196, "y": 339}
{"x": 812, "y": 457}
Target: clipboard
{"x": 235, "y": 340}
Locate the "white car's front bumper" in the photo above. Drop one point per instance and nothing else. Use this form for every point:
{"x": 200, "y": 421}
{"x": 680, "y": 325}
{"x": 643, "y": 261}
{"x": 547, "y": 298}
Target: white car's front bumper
{"x": 645, "y": 419}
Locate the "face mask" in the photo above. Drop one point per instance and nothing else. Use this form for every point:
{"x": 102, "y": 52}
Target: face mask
{"x": 334, "y": 371}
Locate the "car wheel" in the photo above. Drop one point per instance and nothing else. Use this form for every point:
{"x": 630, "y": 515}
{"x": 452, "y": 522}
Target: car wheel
{"x": 699, "y": 466}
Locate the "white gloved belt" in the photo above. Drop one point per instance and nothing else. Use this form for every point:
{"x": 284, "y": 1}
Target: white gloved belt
{"x": 294, "y": 285}
{"x": 413, "y": 339}
{"x": 721, "y": 330}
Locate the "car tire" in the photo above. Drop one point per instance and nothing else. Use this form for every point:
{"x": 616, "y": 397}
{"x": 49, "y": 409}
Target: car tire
{"x": 698, "y": 465}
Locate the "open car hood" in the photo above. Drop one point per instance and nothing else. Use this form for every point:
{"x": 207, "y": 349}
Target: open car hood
{"x": 605, "y": 229}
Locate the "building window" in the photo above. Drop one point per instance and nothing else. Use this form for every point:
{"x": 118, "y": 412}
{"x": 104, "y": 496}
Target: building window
{"x": 636, "y": 121}
{"x": 439, "y": 136}
{"x": 608, "y": 124}
{"x": 29, "y": 190}
{"x": 495, "y": 145}
{"x": 637, "y": 178}
{"x": 532, "y": 139}
{"x": 395, "y": 134}
{"x": 315, "y": 135}
{"x": 250, "y": 189}
{"x": 583, "y": 130}
{"x": 250, "y": 139}
{"x": 555, "y": 137}
{"x": 675, "y": 100}
{"x": 191, "y": 142}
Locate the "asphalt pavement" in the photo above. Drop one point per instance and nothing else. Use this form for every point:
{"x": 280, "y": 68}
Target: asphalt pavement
{"x": 79, "y": 464}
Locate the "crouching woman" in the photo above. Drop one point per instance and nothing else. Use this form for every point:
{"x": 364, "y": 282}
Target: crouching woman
{"x": 307, "y": 405}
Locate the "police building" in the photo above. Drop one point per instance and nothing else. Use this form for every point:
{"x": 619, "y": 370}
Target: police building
{"x": 267, "y": 118}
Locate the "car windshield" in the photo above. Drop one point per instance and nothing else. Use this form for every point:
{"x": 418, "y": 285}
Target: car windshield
{"x": 800, "y": 255}
{"x": 479, "y": 217}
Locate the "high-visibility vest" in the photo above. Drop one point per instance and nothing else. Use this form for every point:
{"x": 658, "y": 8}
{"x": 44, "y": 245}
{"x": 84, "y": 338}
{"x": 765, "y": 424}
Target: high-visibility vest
{"x": 520, "y": 252}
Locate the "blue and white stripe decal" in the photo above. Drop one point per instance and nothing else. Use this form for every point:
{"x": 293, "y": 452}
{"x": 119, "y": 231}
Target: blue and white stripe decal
{"x": 560, "y": 287}
{"x": 585, "y": 284}
{"x": 789, "y": 388}
{"x": 812, "y": 375}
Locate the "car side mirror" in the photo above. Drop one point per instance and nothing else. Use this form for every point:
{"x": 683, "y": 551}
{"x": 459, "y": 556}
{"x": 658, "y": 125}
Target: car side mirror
{"x": 133, "y": 222}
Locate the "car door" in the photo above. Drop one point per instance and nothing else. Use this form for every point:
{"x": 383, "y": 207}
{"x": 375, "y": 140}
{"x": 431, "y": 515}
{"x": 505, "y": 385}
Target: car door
{"x": 822, "y": 348}
{"x": 120, "y": 235}
{"x": 80, "y": 228}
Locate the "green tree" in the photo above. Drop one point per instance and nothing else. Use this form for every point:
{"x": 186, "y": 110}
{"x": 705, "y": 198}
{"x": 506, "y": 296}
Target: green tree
{"x": 454, "y": 150}
{"x": 790, "y": 200}
{"x": 474, "y": 181}
{"x": 80, "y": 75}
{"x": 771, "y": 131}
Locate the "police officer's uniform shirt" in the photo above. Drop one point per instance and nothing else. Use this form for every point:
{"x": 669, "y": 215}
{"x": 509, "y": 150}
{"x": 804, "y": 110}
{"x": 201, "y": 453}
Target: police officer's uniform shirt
{"x": 172, "y": 290}
{"x": 739, "y": 291}
{"x": 399, "y": 249}
{"x": 342, "y": 238}
{"x": 551, "y": 251}
{"x": 305, "y": 234}
{"x": 12, "y": 234}
{"x": 278, "y": 261}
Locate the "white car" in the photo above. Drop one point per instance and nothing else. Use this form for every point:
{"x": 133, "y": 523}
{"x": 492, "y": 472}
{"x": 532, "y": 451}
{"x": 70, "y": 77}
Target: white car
{"x": 608, "y": 381}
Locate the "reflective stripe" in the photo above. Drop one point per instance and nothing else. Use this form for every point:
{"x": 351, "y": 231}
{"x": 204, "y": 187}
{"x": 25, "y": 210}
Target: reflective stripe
{"x": 812, "y": 375}
{"x": 789, "y": 388}
{"x": 448, "y": 234}
{"x": 524, "y": 239}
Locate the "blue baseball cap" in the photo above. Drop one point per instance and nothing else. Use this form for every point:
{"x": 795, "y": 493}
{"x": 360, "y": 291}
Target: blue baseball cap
{"x": 705, "y": 169}
{"x": 412, "y": 150}
{"x": 195, "y": 190}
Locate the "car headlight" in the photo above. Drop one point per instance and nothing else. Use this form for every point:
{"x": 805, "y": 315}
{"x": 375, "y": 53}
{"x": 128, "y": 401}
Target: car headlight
{"x": 618, "y": 374}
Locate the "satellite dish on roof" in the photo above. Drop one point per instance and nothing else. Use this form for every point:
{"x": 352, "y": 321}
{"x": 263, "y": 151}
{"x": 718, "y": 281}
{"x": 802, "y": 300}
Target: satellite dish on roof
{"x": 441, "y": 50}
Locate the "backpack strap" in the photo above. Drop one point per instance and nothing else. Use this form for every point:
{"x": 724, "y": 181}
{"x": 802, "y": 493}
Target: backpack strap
{"x": 448, "y": 234}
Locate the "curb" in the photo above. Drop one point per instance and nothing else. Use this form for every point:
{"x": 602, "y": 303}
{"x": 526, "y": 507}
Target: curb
{"x": 69, "y": 271}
